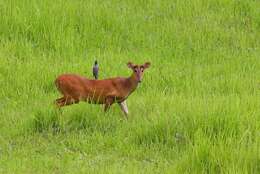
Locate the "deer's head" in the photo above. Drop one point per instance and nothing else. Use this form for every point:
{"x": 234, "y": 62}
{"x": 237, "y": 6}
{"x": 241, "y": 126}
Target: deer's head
{"x": 138, "y": 70}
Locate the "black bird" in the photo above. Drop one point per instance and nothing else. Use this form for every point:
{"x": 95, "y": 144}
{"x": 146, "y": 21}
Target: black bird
{"x": 95, "y": 70}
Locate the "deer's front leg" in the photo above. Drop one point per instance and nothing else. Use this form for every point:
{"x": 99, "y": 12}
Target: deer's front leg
{"x": 124, "y": 108}
{"x": 108, "y": 102}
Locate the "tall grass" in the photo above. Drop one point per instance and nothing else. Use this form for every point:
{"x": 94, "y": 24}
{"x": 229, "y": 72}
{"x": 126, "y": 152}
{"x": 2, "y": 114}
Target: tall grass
{"x": 197, "y": 110}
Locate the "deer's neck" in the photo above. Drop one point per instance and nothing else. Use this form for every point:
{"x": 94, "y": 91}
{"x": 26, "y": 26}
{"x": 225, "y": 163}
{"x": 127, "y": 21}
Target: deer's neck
{"x": 131, "y": 83}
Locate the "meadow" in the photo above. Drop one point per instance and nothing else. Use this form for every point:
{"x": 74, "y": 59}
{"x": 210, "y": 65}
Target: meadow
{"x": 196, "y": 111}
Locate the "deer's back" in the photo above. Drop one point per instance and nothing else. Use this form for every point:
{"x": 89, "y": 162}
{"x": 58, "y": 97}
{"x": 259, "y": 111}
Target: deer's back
{"x": 85, "y": 89}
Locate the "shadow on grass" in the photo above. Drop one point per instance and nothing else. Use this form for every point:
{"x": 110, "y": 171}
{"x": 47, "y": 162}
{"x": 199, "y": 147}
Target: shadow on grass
{"x": 55, "y": 121}
{"x": 92, "y": 122}
{"x": 45, "y": 121}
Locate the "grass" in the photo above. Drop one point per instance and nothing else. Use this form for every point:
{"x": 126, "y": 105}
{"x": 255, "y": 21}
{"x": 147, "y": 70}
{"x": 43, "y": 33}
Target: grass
{"x": 197, "y": 110}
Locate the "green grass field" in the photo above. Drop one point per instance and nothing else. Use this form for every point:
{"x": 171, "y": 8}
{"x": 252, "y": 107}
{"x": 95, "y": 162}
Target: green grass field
{"x": 196, "y": 111}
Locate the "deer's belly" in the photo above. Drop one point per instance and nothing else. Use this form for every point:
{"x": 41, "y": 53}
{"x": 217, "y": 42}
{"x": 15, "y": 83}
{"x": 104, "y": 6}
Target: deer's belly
{"x": 97, "y": 99}
{"x": 100, "y": 96}
{"x": 94, "y": 99}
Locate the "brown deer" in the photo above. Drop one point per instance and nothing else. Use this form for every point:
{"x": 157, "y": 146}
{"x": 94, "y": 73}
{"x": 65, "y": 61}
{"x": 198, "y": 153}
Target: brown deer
{"x": 75, "y": 88}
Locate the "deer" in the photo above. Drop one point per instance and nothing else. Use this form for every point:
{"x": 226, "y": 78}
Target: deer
{"x": 76, "y": 88}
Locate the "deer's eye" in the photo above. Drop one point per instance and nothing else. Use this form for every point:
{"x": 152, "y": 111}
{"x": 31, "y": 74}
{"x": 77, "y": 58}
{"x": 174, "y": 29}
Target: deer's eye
{"x": 135, "y": 70}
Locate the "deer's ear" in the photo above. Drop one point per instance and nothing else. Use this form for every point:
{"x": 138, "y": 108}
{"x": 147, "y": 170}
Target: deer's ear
{"x": 130, "y": 65}
{"x": 147, "y": 65}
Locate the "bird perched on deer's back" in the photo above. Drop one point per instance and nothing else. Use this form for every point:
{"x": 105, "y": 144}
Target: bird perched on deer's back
{"x": 95, "y": 70}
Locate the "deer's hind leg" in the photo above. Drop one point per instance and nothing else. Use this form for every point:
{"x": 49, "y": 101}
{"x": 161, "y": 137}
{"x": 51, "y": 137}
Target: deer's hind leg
{"x": 59, "y": 100}
{"x": 63, "y": 101}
